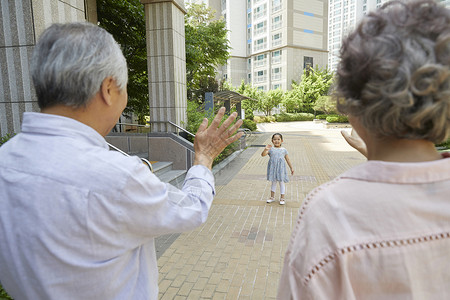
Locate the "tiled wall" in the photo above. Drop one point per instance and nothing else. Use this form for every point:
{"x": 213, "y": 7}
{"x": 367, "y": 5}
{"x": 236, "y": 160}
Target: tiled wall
{"x": 21, "y": 23}
{"x": 166, "y": 59}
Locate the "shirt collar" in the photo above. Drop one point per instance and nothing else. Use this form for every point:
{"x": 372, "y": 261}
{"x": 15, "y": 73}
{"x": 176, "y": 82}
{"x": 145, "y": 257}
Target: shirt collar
{"x": 49, "y": 124}
{"x": 407, "y": 173}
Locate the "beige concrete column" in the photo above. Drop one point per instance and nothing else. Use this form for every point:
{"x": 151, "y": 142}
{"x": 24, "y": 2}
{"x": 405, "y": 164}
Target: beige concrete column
{"x": 166, "y": 62}
{"x": 21, "y": 24}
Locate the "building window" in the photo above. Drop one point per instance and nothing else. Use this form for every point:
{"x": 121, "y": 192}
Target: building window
{"x": 276, "y": 39}
{"x": 276, "y": 73}
{"x": 260, "y": 44}
{"x": 260, "y": 11}
{"x": 277, "y": 22}
{"x": 276, "y": 86}
{"x": 260, "y": 88}
{"x": 260, "y": 60}
{"x": 276, "y": 57}
{"x": 307, "y": 63}
{"x": 260, "y": 28}
{"x": 260, "y": 76}
{"x": 276, "y": 5}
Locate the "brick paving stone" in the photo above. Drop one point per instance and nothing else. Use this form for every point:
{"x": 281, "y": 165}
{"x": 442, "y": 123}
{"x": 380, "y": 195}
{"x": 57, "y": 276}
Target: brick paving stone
{"x": 185, "y": 289}
{"x": 194, "y": 295}
{"x": 238, "y": 252}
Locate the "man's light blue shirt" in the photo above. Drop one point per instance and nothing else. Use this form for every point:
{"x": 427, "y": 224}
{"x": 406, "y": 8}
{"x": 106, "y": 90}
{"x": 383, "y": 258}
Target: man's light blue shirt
{"x": 78, "y": 221}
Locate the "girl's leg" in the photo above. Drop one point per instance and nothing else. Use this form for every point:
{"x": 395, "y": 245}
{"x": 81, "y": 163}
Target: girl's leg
{"x": 272, "y": 192}
{"x": 282, "y": 192}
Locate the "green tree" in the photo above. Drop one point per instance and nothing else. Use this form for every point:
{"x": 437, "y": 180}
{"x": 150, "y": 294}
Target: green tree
{"x": 292, "y": 99}
{"x": 249, "y": 105}
{"x": 270, "y": 100}
{"x": 325, "y": 104}
{"x": 206, "y": 48}
{"x": 125, "y": 20}
{"x": 314, "y": 83}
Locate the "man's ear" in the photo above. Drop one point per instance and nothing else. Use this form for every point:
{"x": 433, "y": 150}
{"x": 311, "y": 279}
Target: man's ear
{"x": 106, "y": 90}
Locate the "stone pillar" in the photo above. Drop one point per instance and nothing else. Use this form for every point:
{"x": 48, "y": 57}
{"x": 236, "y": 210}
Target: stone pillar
{"x": 166, "y": 58}
{"x": 21, "y": 24}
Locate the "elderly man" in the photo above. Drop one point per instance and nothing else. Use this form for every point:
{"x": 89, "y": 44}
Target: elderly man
{"x": 78, "y": 221}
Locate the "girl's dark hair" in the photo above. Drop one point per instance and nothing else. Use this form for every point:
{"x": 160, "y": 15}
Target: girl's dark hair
{"x": 277, "y": 134}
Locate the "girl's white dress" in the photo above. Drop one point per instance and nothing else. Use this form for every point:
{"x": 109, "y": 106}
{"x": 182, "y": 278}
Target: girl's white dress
{"x": 276, "y": 169}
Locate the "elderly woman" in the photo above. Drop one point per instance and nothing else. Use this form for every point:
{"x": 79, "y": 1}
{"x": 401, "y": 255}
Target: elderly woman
{"x": 382, "y": 229}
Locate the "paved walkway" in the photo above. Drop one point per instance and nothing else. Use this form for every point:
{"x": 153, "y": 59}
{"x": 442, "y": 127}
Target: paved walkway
{"x": 238, "y": 253}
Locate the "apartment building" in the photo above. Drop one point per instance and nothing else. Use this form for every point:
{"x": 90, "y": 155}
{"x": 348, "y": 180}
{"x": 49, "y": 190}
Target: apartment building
{"x": 284, "y": 37}
{"x": 343, "y": 15}
{"x": 273, "y": 41}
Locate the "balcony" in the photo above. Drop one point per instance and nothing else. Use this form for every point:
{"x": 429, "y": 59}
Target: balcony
{"x": 260, "y": 63}
{"x": 277, "y": 8}
{"x": 276, "y": 60}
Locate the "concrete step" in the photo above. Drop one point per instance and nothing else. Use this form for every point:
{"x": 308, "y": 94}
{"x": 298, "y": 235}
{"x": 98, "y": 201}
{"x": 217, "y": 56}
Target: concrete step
{"x": 160, "y": 167}
{"x": 163, "y": 170}
{"x": 174, "y": 177}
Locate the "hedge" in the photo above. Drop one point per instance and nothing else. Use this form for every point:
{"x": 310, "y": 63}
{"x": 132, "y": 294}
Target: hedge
{"x": 288, "y": 117}
{"x": 249, "y": 124}
{"x": 264, "y": 119}
{"x": 337, "y": 119}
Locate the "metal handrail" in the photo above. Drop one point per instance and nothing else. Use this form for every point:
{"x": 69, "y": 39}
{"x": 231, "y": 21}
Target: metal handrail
{"x": 246, "y": 131}
{"x": 145, "y": 161}
{"x": 131, "y": 124}
{"x": 173, "y": 124}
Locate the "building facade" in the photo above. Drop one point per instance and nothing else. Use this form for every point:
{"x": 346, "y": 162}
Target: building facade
{"x": 284, "y": 37}
{"x": 22, "y": 22}
{"x": 272, "y": 41}
{"x": 343, "y": 16}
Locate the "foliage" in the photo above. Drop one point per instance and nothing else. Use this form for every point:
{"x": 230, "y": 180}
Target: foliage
{"x": 195, "y": 115}
{"x": 248, "y": 105}
{"x": 337, "y": 119}
{"x": 292, "y": 99}
{"x": 5, "y": 138}
{"x": 250, "y": 124}
{"x": 444, "y": 145}
{"x": 125, "y": 20}
{"x": 321, "y": 117}
{"x": 264, "y": 119}
{"x": 325, "y": 104}
{"x": 270, "y": 100}
{"x": 288, "y": 117}
{"x": 314, "y": 83}
{"x": 4, "y": 295}
{"x": 206, "y": 48}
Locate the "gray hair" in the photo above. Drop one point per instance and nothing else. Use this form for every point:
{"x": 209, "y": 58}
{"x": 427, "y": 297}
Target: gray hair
{"x": 70, "y": 62}
{"x": 394, "y": 71}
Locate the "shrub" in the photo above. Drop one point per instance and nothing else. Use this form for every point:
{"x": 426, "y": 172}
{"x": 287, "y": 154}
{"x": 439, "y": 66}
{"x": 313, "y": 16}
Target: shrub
{"x": 321, "y": 117}
{"x": 264, "y": 119}
{"x": 4, "y": 295}
{"x": 5, "y": 138}
{"x": 288, "y": 117}
{"x": 195, "y": 115}
{"x": 249, "y": 124}
{"x": 337, "y": 119}
{"x": 445, "y": 145}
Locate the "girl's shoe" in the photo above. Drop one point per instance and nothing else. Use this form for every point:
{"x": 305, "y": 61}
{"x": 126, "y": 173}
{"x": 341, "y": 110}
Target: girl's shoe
{"x": 270, "y": 200}
{"x": 282, "y": 202}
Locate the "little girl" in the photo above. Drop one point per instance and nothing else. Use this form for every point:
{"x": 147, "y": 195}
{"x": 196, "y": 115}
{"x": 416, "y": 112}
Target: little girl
{"x": 276, "y": 169}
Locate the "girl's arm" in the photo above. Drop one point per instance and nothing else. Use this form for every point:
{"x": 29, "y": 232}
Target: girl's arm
{"x": 289, "y": 164}
{"x": 266, "y": 150}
